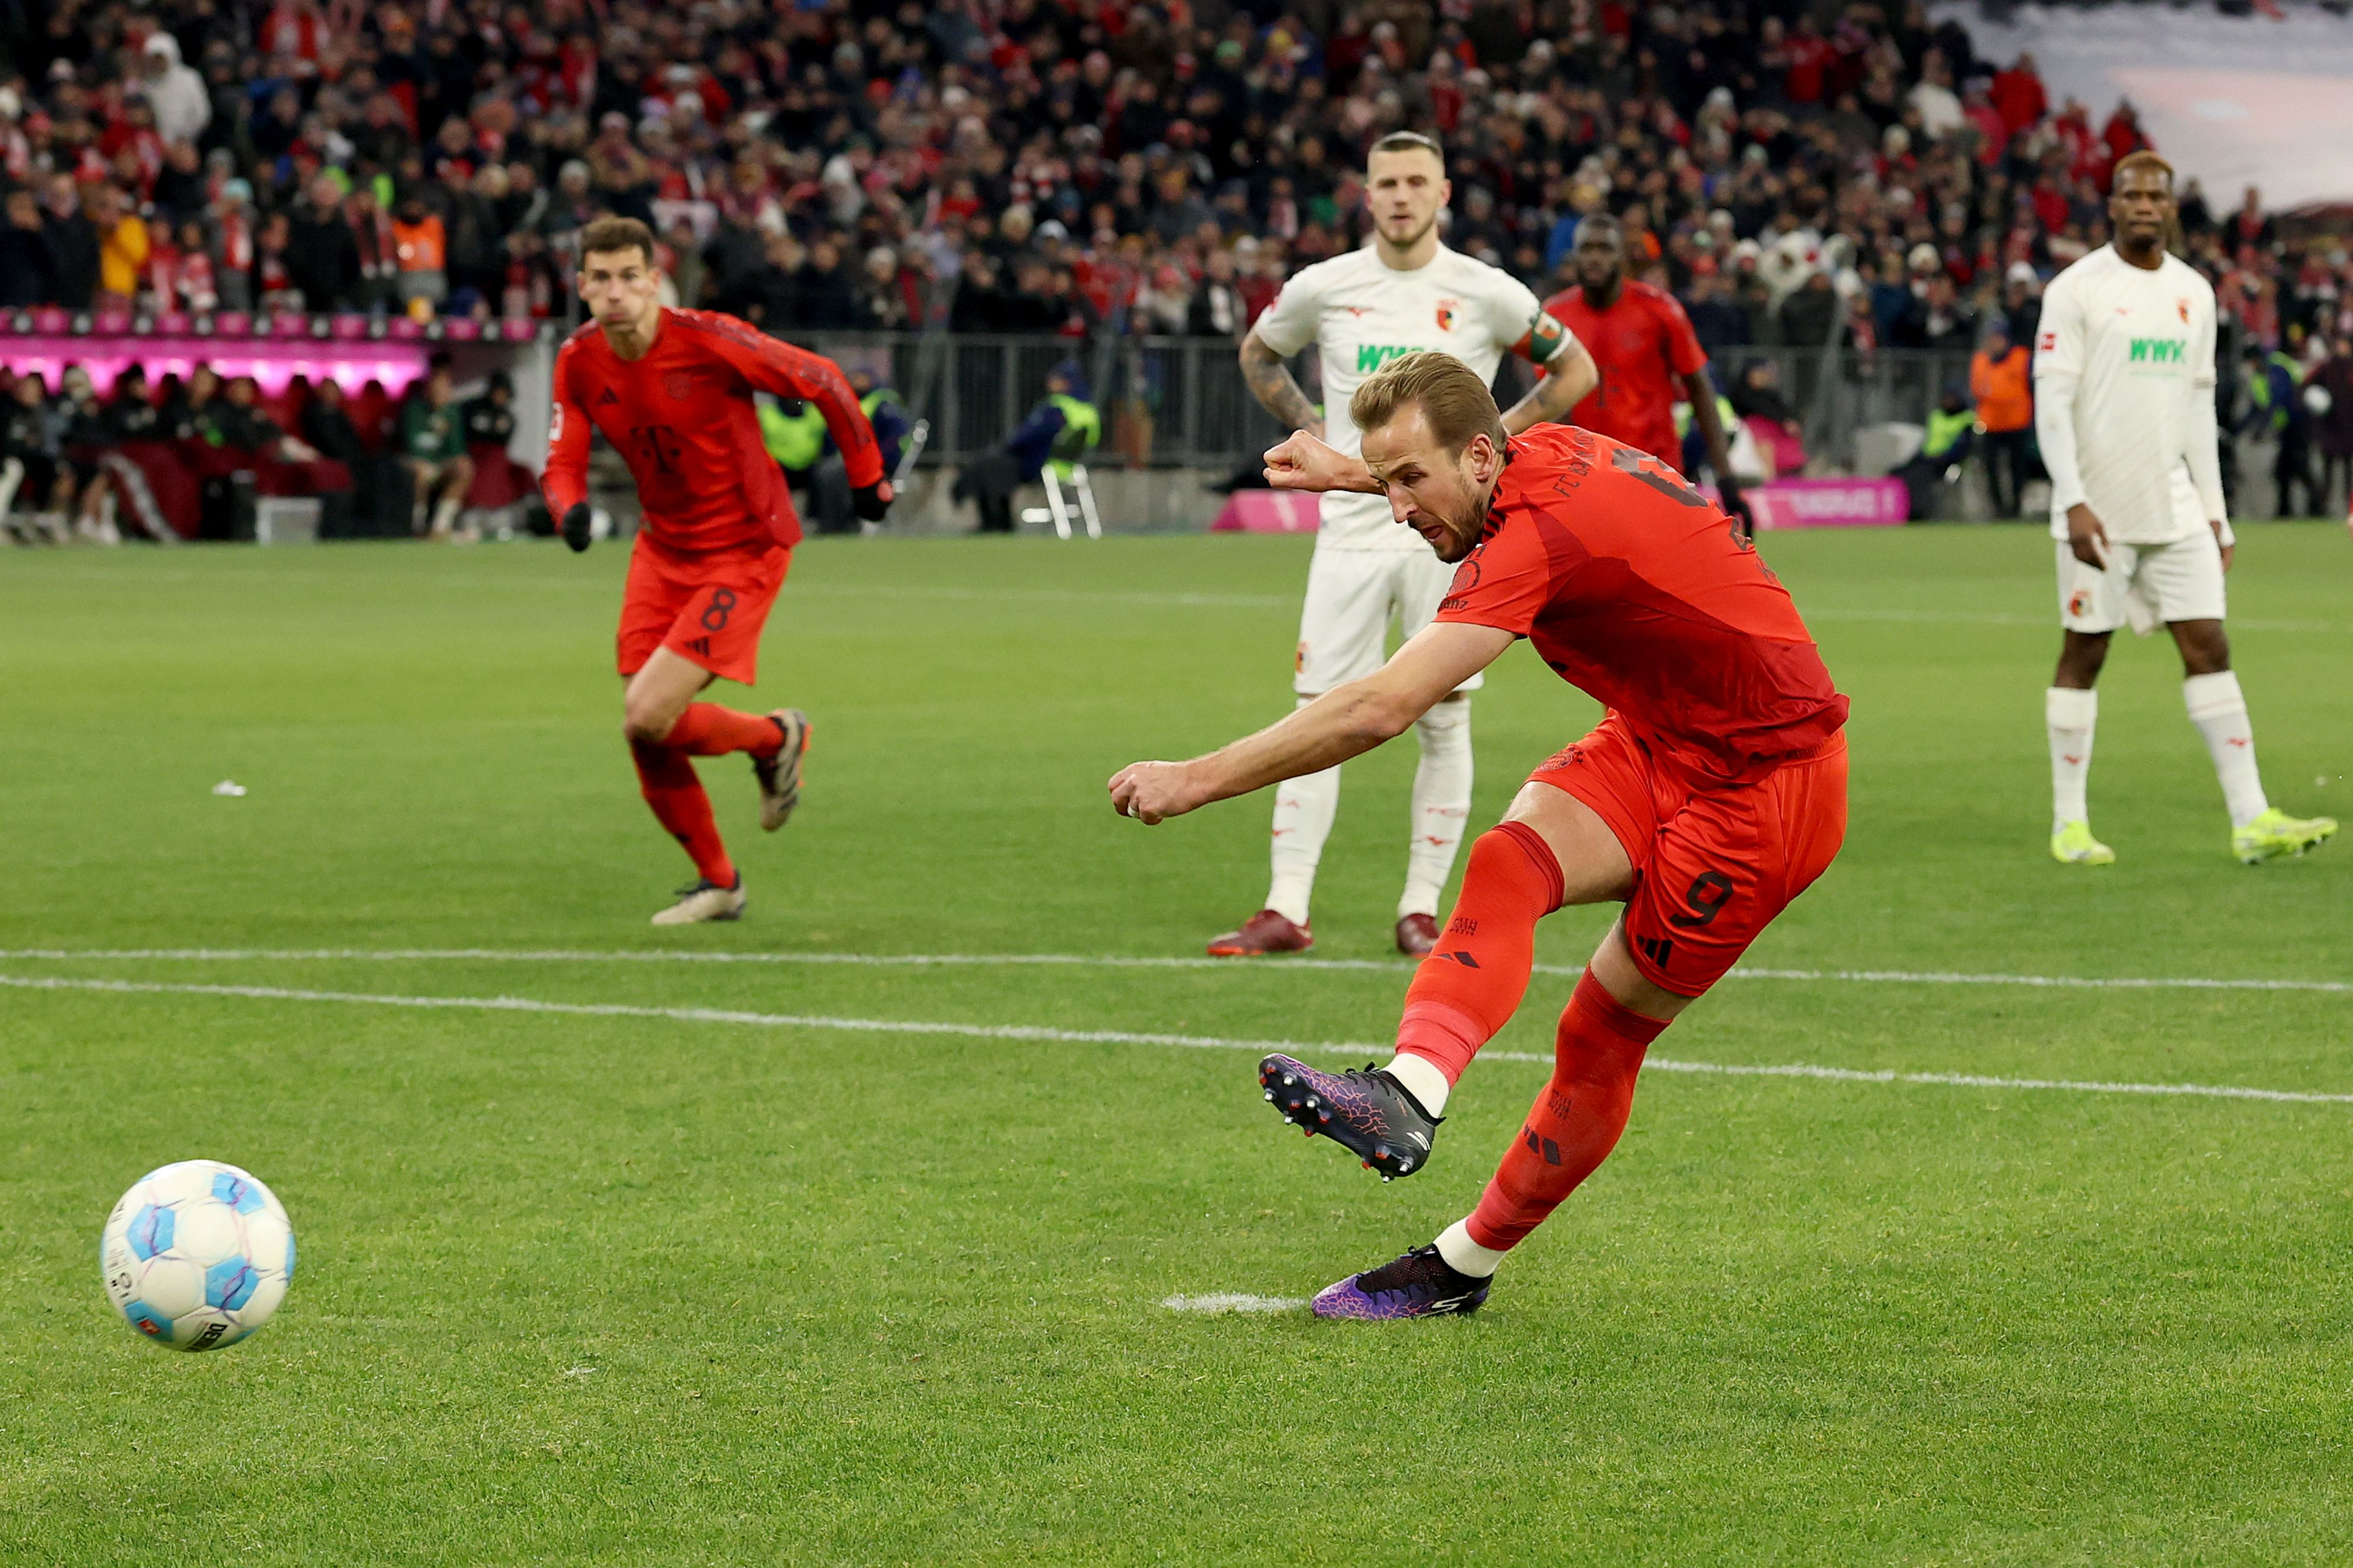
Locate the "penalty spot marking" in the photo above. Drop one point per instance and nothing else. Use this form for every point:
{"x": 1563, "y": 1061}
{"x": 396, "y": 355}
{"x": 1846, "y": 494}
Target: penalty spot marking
{"x": 1132, "y": 1037}
{"x": 1106, "y": 961}
{"x": 1228, "y": 1301}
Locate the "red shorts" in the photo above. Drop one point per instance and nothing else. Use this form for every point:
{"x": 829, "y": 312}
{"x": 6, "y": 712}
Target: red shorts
{"x": 1713, "y": 863}
{"x": 707, "y": 609}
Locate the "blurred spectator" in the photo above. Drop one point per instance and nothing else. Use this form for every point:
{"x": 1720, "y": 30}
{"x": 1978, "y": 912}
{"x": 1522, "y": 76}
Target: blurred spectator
{"x": 27, "y": 277}
{"x": 1063, "y": 428}
{"x": 131, "y": 411}
{"x": 2333, "y": 425}
{"x": 489, "y": 419}
{"x": 1999, "y": 382}
{"x": 421, "y": 252}
{"x": 31, "y": 475}
{"x": 1936, "y": 318}
{"x": 2276, "y": 410}
{"x": 327, "y": 427}
{"x": 177, "y": 95}
{"x": 243, "y": 424}
{"x": 433, "y": 452}
{"x": 1944, "y": 447}
{"x": 122, "y": 244}
{"x": 1770, "y": 419}
{"x": 1811, "y": 311}
{"x": 321, "y": 258}
{"x": 1716, "y": 319}
{"x": 1217, "y": 309}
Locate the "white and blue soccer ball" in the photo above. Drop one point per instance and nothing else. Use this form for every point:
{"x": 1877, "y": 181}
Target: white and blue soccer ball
{"x": 197, "y": 1255}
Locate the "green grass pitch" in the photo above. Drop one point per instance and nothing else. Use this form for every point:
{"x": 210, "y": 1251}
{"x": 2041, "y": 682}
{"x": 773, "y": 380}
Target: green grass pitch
{"x": 620, "y": 1287}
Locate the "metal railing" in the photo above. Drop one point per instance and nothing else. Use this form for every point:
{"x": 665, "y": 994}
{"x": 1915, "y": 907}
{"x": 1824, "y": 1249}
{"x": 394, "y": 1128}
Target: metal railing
{"x": 1180, "y": 402}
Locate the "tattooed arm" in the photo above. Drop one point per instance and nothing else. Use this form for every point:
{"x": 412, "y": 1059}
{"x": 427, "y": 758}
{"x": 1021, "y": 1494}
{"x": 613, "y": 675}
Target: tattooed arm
{"x": 1276, "y": 389}
{"x": 1569, "y": 374}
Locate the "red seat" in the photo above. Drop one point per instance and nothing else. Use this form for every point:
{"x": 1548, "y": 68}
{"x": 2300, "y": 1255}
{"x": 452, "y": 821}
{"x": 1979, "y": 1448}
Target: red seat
{"x": 499, "y": 479}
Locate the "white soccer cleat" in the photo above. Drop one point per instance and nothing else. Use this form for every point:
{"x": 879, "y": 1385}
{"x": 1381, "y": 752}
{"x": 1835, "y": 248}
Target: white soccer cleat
{"x": 704, "y": 900}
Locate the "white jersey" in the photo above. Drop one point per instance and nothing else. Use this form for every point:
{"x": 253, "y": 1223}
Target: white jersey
{"x": 1360, "y": 314}
{"x": 2123, "y": 384}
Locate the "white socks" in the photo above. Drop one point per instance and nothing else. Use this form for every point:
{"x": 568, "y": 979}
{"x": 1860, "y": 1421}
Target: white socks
{"x": 1441, "y": 804}
{"x": 2220, "y": 712}
{"x": 2070, "y": 716}
{"x": 1422, "y": 1079}
{"x": 1465, "y": 1255}
{"x": 1304, "y": 809}
{"x": 2215, "y": 705}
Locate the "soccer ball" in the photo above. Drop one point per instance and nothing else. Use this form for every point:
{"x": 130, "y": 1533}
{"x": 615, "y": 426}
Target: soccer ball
{"x": 197, "y": 1255}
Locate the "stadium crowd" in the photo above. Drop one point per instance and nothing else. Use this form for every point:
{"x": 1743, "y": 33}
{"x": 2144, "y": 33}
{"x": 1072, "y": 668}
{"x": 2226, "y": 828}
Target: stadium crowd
{"x": 1799, "y": 175}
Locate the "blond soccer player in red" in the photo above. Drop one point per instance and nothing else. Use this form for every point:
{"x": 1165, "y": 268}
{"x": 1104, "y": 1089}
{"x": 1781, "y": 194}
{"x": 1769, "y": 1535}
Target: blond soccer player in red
{"x": 672, "y": 390}
{"x": 1711, "y": 794}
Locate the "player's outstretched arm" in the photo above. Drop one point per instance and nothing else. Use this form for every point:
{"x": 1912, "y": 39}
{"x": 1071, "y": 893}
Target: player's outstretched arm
{"x": 796, "y": 373}
{"x": 1344, "y": 723}
{"x": 1570, "y": 375}
{"x": 1277, "y": 390}
{"x": 1305, "y": 462}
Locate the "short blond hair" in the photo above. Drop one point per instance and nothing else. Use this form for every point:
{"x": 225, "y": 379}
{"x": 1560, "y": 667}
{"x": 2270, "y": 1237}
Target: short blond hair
{"x": 1452, "y": 397}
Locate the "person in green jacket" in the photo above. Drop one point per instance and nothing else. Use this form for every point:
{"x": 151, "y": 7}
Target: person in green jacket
{"x": 433, "y": 453}
{"x": 1951, "y": 433}
{"x": 1061, "y": 431}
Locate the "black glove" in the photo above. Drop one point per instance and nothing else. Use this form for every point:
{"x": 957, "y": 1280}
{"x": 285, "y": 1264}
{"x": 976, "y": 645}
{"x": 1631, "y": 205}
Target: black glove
{"x": 872, "y": 501}
{"x": 575, "y": 525}
{"x": 1736, "y": 507}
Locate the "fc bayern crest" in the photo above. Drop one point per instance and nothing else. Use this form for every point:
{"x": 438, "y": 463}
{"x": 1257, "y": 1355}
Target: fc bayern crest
{"x": 678, "y": 383}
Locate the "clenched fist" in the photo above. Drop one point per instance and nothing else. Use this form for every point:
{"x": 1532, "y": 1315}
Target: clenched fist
{"x": 1303, "y": 462}
{"x": 1153, "y": 792}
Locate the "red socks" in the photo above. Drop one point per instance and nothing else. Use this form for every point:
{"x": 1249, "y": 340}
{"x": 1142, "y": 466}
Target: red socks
{"x": 1470, "y": 985}
{"x": 679, "y": 804}
{"x": 1576, "y": 1119}
{"x": 671, "y": 788}
{"x": 707, "y": 730}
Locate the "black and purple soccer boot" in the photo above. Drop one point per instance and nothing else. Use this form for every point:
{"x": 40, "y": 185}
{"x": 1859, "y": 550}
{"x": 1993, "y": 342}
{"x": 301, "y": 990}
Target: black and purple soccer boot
{"x": 1421, "y": 1284}
{"x": 1365, "y": 1111}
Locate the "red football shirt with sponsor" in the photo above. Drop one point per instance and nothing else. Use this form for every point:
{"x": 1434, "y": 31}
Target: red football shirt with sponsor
{"x": 1637, "y": 590}
{"x": 1640, "y": 344}
{"x": 681, "y": 417}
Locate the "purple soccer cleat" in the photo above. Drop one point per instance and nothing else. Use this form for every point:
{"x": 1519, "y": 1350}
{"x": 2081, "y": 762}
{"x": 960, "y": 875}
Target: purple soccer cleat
{"x": 1420, "y": 1284}
{"x": 1364, "y": 1110}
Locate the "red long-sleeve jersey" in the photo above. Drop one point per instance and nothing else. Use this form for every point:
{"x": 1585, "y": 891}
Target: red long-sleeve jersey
{"x": 681, "y": 417}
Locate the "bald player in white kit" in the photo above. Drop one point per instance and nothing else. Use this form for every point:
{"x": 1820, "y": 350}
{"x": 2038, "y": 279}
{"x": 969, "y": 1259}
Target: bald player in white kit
{"x": 1404, "y": 292}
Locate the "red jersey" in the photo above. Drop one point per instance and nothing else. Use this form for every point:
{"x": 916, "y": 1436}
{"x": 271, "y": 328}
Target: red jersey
{"x": 1640, "y": 344}
{"x": 681, "y": 417}
{"x": 1640, "y": 593}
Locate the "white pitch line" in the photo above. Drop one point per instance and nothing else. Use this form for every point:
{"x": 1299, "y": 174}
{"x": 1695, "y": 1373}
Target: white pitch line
{"x": 1108, "y": 960}
{"x": 1230, "y": 1301}
{"x": 1129, "y": 1037}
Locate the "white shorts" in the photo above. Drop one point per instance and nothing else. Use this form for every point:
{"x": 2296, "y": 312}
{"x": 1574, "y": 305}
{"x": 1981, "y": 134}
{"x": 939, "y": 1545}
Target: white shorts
{"x": 2145, "y": 585}
{"x": 1352, "y": 596}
